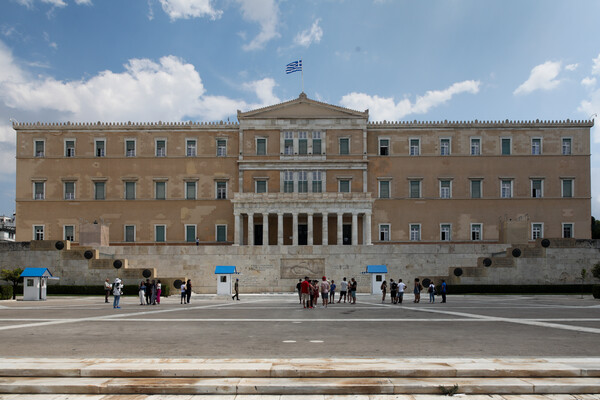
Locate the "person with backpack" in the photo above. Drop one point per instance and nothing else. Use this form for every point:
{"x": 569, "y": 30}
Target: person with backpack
{"x": 431, "y": 291}
{"x": 393, "y": 291}
{"x": 117, "y": 292}
{"x": 383, "y": 290}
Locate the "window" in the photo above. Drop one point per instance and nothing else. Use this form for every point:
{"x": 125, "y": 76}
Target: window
{"x": 475, "y": 188}
{"x": 537, "y": 231}
{"x": 161, "y": 147}
{"x": 288, "y": 143}
{"x": 384, "y": 189}
{"x": 505, "y": 145}
{"x": 415, "y": 147}
{"x": 190, "y": 233}
{"x": 475, "y": 146}
{"x": 261, "y": 186}
{"x": 130, "y": 148}
{"x": 536, "y": 146}
{"x": 38, "y": 190}
{"x": 384, "y": 232}
{"x": 99, "y": 145}
{"x": 221, "y": 147}
{"x": 506, "y": 188}
{"x": 317, "y": 181}
{"x": 302, "y": 182}
{"x": 190, "y": 190}
{"x": 445, "y": 189}
{"x": 190, "y": 148}
{"x": 39, "y": 150}
{"x": 69, "y": 233}
{"x": 345, "y": 146}
{"x": 476, "y": 232}
{"x": 567, "y": 231}
{"x": 221, "y": 190}
{"x": 445, "y": 230}
{"x": 221, "y": 233}
{"x": 445, "y": 147}
{"x": 302, "y": 143}
{"x": 261, "y": 146}
{"x": 129, "y": 190}
{"x": 415, "y": 189}
{"x": 70, "y": 148}
{"x": 566, "y": 146}
{"x": 288, "y": 182}
{"x": 99, "y": 191}
{"x": 567, "y": 187}
{"x": 69, "y": 188}
{"x": 384, "y": 147}
{"x": 160, "y": 190}
{"x": 130, "y": 233}
{"x": 38, "y": 232}
{"x": 316, "y": 143}
{"x": 344, "y": 186}
{"x": 160, "y": 233}
{"x": 415, "y": 232}
{"x": 537, "y": 188}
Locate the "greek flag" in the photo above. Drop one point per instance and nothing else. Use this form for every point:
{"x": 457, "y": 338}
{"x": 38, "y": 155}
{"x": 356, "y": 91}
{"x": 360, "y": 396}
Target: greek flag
{"x": 294, "y": 66}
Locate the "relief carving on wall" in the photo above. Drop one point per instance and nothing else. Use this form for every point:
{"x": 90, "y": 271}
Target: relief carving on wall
{"x": 299, "y": 268}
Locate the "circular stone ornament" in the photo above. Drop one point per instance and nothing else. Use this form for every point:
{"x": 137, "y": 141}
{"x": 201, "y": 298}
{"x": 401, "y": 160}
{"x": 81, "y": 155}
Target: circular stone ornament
{"x": 88, "y": 254}
{"x": 516, "y": 253}
{"x": 117, "y": 264}
{"x": 426, "y": 282}
{"x": 59, "y": 245}
{"x": 487, "y": 262}
{"x": 545, "y": 243}
{"x": 146, "y": 273}
{"x": 458, "y": 271}
{"x": 177, "y": 284}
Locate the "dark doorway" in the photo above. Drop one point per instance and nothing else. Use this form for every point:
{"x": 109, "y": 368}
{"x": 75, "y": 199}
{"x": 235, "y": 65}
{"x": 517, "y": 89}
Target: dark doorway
{"x": 302, "y": 234}
{"x": 347, "y": 232}
{"x": 258, "y": 235}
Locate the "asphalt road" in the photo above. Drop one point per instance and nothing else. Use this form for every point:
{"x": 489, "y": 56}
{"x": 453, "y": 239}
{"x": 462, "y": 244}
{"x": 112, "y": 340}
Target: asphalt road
{"x": 275, "y": 326}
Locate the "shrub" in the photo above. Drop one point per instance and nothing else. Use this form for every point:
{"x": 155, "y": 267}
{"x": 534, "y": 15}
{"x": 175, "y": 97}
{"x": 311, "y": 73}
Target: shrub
{"x": 6, "y": 292}
{"x": 518, "y": 289}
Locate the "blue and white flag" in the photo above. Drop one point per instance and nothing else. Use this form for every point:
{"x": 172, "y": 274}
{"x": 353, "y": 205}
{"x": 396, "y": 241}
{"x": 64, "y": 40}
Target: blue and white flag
{"x": 294, "y": 66}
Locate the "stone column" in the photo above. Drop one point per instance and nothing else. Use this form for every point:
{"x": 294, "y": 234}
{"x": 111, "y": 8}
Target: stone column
{"x": 310, "y": 230}
{"x": 250, "y": 229}
{"x": 354, "y": 229}
{"x": 236, "y": 229}
{"x": 295, "y": 229}
{"x": 340, "y": 229}
{"x": 325, "y": 229}
{"x": 265, "y": 229}
{"x": 280, "y": 229}
{"x": 367, "y": 228}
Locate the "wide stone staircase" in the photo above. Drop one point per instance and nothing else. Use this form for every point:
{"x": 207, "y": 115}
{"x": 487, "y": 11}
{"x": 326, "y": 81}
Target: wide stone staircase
{"x": 260, "y": 377}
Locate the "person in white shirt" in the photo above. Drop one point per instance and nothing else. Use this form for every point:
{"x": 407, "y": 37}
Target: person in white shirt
{"x": 325, "y": 286}
{"x": 401, "y": 288}
{"x": 343, "y": 290}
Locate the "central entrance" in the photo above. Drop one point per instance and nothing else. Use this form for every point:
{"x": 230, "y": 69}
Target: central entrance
{"x": 302, "y": 234}
{"x": 258, "y": 235}
{"x": 347, "y": 234}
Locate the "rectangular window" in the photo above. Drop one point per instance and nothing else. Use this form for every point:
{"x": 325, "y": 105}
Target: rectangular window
{"x": 445, "y": 230}
{"x": 316, "y": 143}
{"x": 475, "y": 146}
{"x": 221, "y": 190}
{"x": 344, "y": 146}
{"x": 537, "y": 188}
{"x": 160, "y": 190}
{"x": 384, "y": 189}
{"x": 567, "y": 187}
{"x": 69, "y": 190}
{"x": 99, "y": 191}
{"x": 160, "y": 233}
{"x": 415, "y": 232}
{"x": 39, "y": 148}
{"x": 130, "y": 148}
{"x": 69, "y": 233}
{"x": 506, "y": 188}
{"x": 445, "y": 189}
{"x": 384, "y": 232}
{"x": 161, "y": 148}
{"x": 317, "y": 182}
{"x": 537, "y": 231}
{"x": 384, "y": 147}
{"x": 129, "y": 190}
{"x": 288, "y": 181}
{"x": 38, "y": 190}
{"x": 476, "y": 232}
{"x": 261, "y": 186}
{"x": 536, "y": 146}
{"x": 190, "y": 148}
{"x": 302, "y": 182}
{"x": 567, "y": 231}
{"x": 415, "y": 147}
{"x": 221, "y": 233}
{"x": 99, "y": 145}
{"x": 190, "y": 233}
{"x": 221, "y": 148}
{"x": 344, "y": 186}
{"x": 288, "y": 143}
{"x": 69, "y": 148}
{"x": 130, "y": 233}
{"x": 302, "y": 143}
{"x": 566, "y": 146}
{"x": 415, "y": 189}
{"x": 445, "y": 147}
{"x": 190, "y": 190}
{"x": 475, "y": 189}
{"x": 505, "y": 144}
{"x": 38, "y": 232}
{"x": 261, "y": 146}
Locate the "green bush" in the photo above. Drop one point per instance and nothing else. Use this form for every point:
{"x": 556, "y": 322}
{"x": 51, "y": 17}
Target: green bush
{"x": 6, "y": 292}
{"x": 97, "y": 290}
{"x": 596, "y": 291}
{"x": 519, "y": 289}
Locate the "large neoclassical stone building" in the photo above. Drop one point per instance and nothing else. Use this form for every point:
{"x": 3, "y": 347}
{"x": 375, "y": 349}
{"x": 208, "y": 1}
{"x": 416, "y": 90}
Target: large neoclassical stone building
{"x": 303, "y": 173}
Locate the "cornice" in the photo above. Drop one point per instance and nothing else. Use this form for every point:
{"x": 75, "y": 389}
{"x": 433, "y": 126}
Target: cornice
{"x": 483, "y": 124}
{"x": 120, "y": 126}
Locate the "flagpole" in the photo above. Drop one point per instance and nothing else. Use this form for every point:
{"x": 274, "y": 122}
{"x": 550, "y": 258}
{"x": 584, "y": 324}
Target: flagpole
{"x": 302, "y": 71}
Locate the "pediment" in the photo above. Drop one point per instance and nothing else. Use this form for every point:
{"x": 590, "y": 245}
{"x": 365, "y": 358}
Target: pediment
{"x": 302, "y": 107}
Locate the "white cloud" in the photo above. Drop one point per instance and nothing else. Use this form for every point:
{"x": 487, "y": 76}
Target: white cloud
{"x": 310, "y": 35}
{"x": 571, "y": 67}
{"x": 588, "y": 82}
{"x": 266, "y": 14}
{"x": 542, "y": 77}
{"x": 55, "y": 3}
{"x": 386, "y": 108}
{"x": 186, "y": 9}
{"x": 591, "y": 105}
{"x": 596, "y": 65}
{"x": 7, "y": 150}
{"x": 26, "y": 3}
{"x": 83, "y": 2}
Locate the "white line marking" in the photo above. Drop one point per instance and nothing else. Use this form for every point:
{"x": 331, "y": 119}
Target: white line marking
{"x": 299, "y": 321}
{"x": 316, "y": 341}
{"x": 289, "y": 341}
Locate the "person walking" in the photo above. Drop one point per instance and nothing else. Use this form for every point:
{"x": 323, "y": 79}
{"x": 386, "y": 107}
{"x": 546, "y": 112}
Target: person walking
{"x": 383, "y": 288}
{"x": 117, "y": 291}
{"x": 324, "y": 289}
{"x": 393, "y": 291}
{"x": 305, "y": 289}
{"x": 182, "y": 290}
{"x": 444, "y": 289}
{"x": 332, "y": 292}
{"x": 158, "y": 291}
{"x": 343, "y": 290}
{"x": 188, "y": 291}
{"x": 353, "y": 287}
{"x": 142, "y": 292}
{"x": 148, "y": 291}
{"x": 299, "y": 289}
{"x": 153, "y": 293}
{"x": 431, "y": 291}
{"x": 107, "y": 290}
{"x": 417, "y": 290}
{"x": 236, "y": 289}
{"x": 401, "y": 288}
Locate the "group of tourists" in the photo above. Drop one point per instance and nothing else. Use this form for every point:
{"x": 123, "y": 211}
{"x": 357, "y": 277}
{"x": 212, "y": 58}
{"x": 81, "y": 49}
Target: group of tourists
{"x": 186, "y": 291}
{"x": 397, "y": 290}
{"x": 309, "y": 291}
{"x": 150, "y": 291}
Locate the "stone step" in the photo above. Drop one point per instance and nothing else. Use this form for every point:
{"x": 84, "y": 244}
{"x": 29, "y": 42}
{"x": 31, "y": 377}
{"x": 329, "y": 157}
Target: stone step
{"x": 295, "y": 397}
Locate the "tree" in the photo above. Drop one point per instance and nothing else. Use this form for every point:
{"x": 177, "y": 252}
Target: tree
{"x": 596, "y": 270}
{"x": 595, "y": 228}
{"x": 14, "y": 276}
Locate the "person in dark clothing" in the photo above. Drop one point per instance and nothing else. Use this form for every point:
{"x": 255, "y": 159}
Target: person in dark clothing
{"x": 236, "y": 289}
{"x": 188, "y": 290}
{"x": 148, "y": 291}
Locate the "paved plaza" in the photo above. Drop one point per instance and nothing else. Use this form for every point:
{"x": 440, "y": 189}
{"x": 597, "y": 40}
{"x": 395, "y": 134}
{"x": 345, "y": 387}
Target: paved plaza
{"x": 276, "y": 326}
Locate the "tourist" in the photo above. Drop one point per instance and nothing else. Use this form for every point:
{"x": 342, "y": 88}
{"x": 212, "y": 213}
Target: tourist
{"x": 188, "y": 291}
{"x": 299, "y": 289}
{"x": 117, "y": 292}
{"x": 444, "y": 289}
{"x": 236, "y": 289}
{"x": 197, "y": 241}
{"x": 343, "y": 290}
{"x": 148, "y": 291}
{"x": 305, "y": 289}
{"x": 315, "y": 294}
{"x": 153, "y": 292}
{"x": 142, "y": 292}
{"x": 182, "y": 290}
{"x": 107, "y": 289}
{"x": 383, "y": 288}
{"x": 431, "y": 291}
{"x": 324, "y": 289}
{"x": 353, "y": 287}
{"x": 332, "y": 292}
{"x": 417, "y": 291}
{"x": 158, "y": 291}
{"x": 401, "y": 288}
{"x": 393, "y": 291}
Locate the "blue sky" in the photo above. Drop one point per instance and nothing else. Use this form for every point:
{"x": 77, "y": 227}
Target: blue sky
{"x": 174, "y": 60}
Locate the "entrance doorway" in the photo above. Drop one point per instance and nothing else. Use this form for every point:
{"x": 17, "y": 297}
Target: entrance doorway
{"x": 302, "y": 234}
{"x": 347, "y": 234}
{"x": 258, "y": 235}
